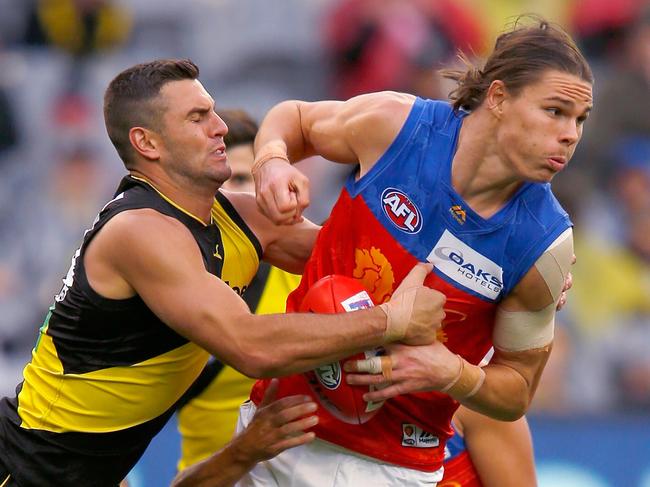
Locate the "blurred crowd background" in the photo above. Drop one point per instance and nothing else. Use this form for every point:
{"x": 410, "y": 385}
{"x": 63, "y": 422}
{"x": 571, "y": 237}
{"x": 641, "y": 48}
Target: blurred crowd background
{"x": 57, "y": 167}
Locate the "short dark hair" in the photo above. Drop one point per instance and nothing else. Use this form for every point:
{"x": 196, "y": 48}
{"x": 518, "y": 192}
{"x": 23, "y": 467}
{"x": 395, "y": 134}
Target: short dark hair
{"x": 242, "y": 128}
{"x": 130, "y": 99}
{"x": 519, "y": 58}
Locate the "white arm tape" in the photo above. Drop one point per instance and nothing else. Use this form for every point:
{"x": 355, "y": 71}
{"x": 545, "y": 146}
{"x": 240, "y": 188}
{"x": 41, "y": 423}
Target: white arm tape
{"x": 515, "y": 331}
{"x": 554, "y": 264}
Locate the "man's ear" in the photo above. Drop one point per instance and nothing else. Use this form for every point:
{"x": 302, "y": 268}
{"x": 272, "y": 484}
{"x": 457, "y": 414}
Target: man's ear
{"x": 496, "y": 95}
{"x": 145, "y": 142}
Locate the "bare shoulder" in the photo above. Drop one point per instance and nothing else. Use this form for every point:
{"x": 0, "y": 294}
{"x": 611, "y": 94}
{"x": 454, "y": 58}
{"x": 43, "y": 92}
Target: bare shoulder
{"x": 134, "y": 237}
{"x": 145, "y": 224}
{"x": 130, "y": 242}
{"x": 372, "y": 122}
{"x": 390, "y": 99}
{"x": 530, "y": 294}
{"x": 384, "y": 106}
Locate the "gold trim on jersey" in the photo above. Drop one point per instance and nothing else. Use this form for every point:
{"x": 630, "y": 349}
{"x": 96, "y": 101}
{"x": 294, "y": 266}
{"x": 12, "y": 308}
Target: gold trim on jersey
{"x": 110, "y": 399}
{"x": 169, "y": 200}
{"x": 235, "y": 250}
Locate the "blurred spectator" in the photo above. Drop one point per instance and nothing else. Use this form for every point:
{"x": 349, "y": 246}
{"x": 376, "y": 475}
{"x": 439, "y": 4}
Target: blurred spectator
{"x": 82, "y": 29}
{"x": 496, "y": 15}
{"x": 8, "y": 128}
{"x": 601, "y": 25}
{"x": 610, "y": 302}
{"x": 79, "y": 27}
{"x": 622, "y": 103}
{"x": 49, "y": 215}
{"x": 611, "y": 246}
{"x": 397, "y": 44}
{"x": 76, "y": 190}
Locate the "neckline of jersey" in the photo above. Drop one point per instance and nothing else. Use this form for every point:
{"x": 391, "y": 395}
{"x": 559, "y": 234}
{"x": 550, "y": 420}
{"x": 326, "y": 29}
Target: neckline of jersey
{"x": 172, "y": 202}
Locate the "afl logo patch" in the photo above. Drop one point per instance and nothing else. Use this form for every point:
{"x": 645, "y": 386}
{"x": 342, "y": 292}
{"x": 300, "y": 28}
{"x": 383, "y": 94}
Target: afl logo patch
{"x": 401, "y": 211}
{"x": 329, "y": 375}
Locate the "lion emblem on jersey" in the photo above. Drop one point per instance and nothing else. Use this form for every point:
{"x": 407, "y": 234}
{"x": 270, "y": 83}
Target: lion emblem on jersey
{"x": 375, "y": 272}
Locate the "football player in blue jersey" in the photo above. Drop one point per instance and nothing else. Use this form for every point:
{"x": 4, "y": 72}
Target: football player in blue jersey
{"x": 501, "y": 258}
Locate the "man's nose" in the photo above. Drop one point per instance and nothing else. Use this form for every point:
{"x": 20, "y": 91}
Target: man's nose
{"x": 218, "y": 127}
{"x": 570, "y": 132}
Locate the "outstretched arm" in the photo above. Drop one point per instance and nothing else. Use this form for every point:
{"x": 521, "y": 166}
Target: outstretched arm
{"x": 154, "y": 256}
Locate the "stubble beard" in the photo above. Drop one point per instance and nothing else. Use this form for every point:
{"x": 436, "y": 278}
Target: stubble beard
{"x": 210, "y": 180}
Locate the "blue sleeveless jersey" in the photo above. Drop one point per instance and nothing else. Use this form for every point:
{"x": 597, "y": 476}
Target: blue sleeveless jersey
{"x": 409, "y": 191}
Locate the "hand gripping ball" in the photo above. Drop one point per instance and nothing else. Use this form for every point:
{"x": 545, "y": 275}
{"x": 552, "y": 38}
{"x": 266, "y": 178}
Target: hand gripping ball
{"x": 340, "y": 294}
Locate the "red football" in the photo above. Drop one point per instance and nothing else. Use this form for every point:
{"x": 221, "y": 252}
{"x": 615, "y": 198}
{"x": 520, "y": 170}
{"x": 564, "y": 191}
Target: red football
{"x": 340, "y": 294}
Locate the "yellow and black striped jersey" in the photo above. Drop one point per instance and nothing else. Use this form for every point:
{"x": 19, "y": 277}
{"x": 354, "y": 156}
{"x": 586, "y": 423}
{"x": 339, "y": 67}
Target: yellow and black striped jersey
{"x": 105, "y": 374}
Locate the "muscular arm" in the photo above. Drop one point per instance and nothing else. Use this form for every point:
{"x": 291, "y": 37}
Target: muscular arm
{"x": 501, "y": 390}
{"x": 146, "y": 253}
{"x": 156, "y": 257}
{"x": 523, "y": 335}
{"x": 514, "y": 465}
{"x": 355, "y": 131}
{"x": 512, "y": 376}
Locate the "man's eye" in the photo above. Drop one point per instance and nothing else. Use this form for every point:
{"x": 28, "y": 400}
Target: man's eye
{"x": 553, "y": 111}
